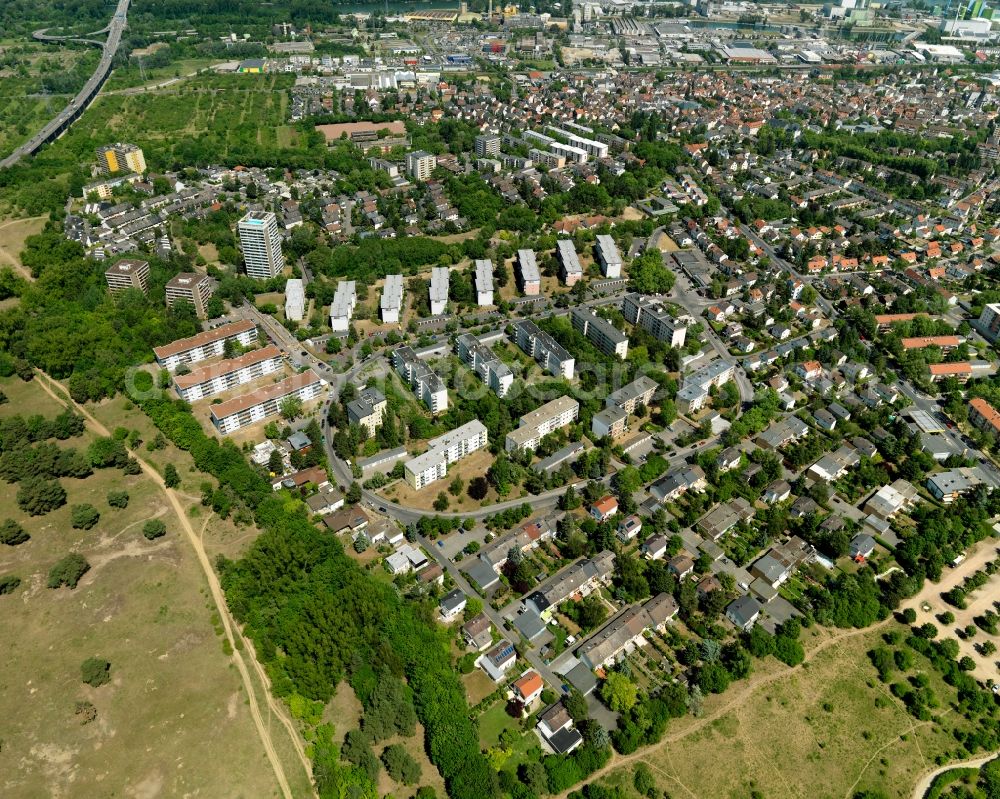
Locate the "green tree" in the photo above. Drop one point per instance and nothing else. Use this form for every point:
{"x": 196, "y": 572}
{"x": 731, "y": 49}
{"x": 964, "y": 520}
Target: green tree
{"x": 68, "y": 571}
{"x": 399, "y": 765}
{"x": 619, "y": 692}
{"x": 37, "y": 496}
{"x": 153, "y": 529}
{"x": 170, "y": 476}
{"x": 118, "y": 499}
{"x": 290, "y": 408}
{"x": 12, "y": 533}
{"x": 353, "y": 493}
{"x": 96, "y": 672}
{"x": 83, "y": 517}
{"x": 456, "y": 486}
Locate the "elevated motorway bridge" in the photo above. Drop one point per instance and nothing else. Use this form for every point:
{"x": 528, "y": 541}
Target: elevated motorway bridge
{"x": 55, "y": 127}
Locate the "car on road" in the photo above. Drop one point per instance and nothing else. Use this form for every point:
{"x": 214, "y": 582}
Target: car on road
{"x": 381, "y": 509}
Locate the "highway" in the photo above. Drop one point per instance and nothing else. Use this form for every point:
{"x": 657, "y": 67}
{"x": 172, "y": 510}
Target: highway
{"x": 57, "y": 126}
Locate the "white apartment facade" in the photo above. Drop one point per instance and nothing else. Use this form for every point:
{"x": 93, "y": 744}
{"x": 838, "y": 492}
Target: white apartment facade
{"x": 295, "y": 300}
{"x": 537, "y": 424}
{"x": 432, "y": 465}
{"x": 209, "y": 344}
{"x": 438, "y": 289}
{"x": 218, "y": 377}
{"x": 391, "y": 303}
{"x": 342, "y": 306}
{"x": 261, "y": 245}
{"x": 265, "y": 402}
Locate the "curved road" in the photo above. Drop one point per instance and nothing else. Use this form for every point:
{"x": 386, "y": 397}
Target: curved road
{"x": 55, "y": 127}
{"x": 924, "y": 785}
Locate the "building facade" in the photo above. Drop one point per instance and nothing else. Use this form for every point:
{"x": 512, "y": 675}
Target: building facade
{"x": 552, "y": 356}
{"x": 605, "y": 336}
{"x": 261, "y": 245}
{"x": 209, "y": 344}
{"x": 264, "y": 403}
{"x": 485, "y": 363}
{"x": 442, "y": 451}
{"x": 428, "y": 387}
{"x": 529, "y": 278}
{"x": 218, "y": 377}
{"x": 342, "y": 306}
{"x": 650, "y": 314}
{"x": 438, "y": 289}
{"x": 128, "y": 274}
{"x": 537, "y": 424}
{"x": 193, "y": 288}
{"x": 392, "y": 299}
{"x": 120, "y": 157}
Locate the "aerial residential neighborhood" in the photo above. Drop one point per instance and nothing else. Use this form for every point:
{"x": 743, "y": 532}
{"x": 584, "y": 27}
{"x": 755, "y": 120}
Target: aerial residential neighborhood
{"x": 595, "y": 400}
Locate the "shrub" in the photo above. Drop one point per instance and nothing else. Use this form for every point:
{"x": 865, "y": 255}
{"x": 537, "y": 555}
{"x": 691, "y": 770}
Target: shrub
{"x": 83, "y": 517}
{"x": 12, "y": 534}
{"x": 118, "y": 499}
{"x": 154, "y": 528}
{"x": 68, "y": 571}
{"x": 37, "y": 496}
{"x": 9, "y": 584}
{"x": 399, "y": 765}
{"x": 95, "y": 672}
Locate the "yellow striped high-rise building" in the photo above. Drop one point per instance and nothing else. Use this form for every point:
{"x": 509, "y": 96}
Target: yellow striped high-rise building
{"x": 120, "y": 157}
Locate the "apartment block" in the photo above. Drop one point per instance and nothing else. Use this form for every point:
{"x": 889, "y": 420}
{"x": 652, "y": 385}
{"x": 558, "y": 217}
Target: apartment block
{"x": 420, "y": 165}
{"x": 261, "y": 245}
{"x": 265, "y": 402}
{"x": 984, "y": 416}
{"x": 605, "y": 336}
{"x": 224, "y": 375}
{"x": 484, "y": 282}
{"x": 595, "y": 149}
{"x": 989, "y": 321}
{"x": 485, "y": 363}
{"x": 534, "y": 426}
{"x": 548, "y": 352}
{"x": 608, "y": 256}
{"x": 651, "y": 315}
{"x": 428, "y": 387}
{"x": 487, "y": 146}
{"x": 209, "y": 344}
{"x": 611, "y": 421}
{"x": 440, "y": 282}
{"x": 120, "y": 157}
{"x": 639, "y": 391}
{"x": 529, "y": 278}
{"x": 392, "y": 299}
{"x": 694, "y": 394}
{"x": 128, "y": 274}
{"x": 570, "y": 269}
{"x": 342, "y": 306}
{"x": 193, "y": 288}
{"x": 547, "y": 159}
{"x": 367, "y": 410}
{"x": 442, "y": 451}
{"x": 295, "y": 300}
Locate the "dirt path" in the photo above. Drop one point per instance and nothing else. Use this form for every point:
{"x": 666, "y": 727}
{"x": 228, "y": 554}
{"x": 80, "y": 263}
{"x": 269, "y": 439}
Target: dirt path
{"x": 220, "y": 603}
{"x": 925, "y": 781}
{"x": 735, "y": 699}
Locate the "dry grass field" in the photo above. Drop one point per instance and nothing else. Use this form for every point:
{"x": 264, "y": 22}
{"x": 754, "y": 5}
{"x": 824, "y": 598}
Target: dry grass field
{"x": 815, "y": 732}
{"x": 174, "y": 720}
